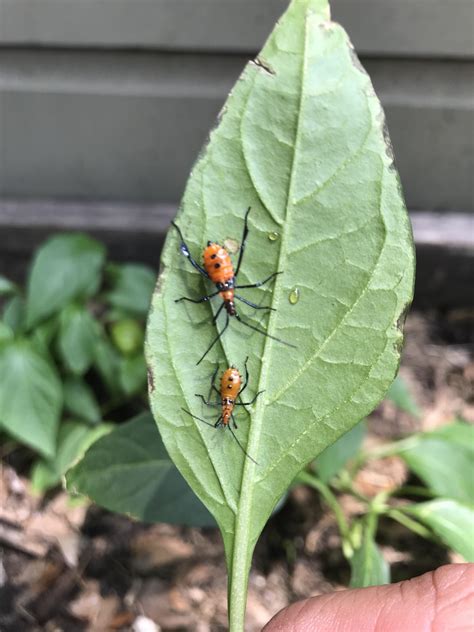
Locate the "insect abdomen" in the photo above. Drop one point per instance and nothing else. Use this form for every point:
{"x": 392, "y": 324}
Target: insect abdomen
{"x": 218, "y": 264}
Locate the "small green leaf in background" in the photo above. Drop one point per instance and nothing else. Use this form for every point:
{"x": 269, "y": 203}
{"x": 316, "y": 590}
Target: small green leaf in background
{"x": 458, "y": 433}
{"x": 400, "y": 395}
{"x": 334, "y": 458}
{"x": 130, "y": 471}
{"x": 368, "y": 567}
{"x": 132, "y": 287}
{"x": 73, "y": 440}
{"x": 6, "y": 333}
{"x": 77, "y": 338}
{"x": 30, "y": 396}
{"x": 444, "y": 461}
{"x": 66, "y": 267}
{"x": 80, "y": 401}
{"x": 14, "y": 313}
{"x": 43, "y": 334}
{"x": 132, "y": 375}
{"x": 107, "y": 364}
{"x": 127, "y": 335}
{"x": 7, "y": 286}
{"x": 451, "y": 521}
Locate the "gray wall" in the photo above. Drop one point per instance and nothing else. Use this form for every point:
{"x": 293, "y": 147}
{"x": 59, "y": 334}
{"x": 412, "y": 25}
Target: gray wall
{"x": 112, "y": 99}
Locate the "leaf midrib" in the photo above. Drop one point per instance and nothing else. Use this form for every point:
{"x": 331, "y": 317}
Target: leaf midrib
{"x": 243, "y": 541}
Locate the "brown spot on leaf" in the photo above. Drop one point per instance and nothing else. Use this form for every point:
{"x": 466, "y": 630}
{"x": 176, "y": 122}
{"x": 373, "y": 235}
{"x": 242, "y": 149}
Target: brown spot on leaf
{"x": 151, "y": 380}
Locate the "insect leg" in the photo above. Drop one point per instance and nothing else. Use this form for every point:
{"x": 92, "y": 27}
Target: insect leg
{"x": 214, "y": 320}
{"x": 233, "y": 421}
{"x": 246, "y": 376}
{"x": 251, "y": 401}
{"x": 208, "y": 403}
{"x": 218, "y": 422}
{"x": 259, "y": 283}
{"x": 185, "y": 250}
{"x": 208, "y": 400}
{"x": 241, "y": 446}
{"x": 250, "y": 304}
{"x": 196, "y": 300}
{"x": 261, "y": 331}
{"x": 214, "y": 341}
{"x": 244, "y": 239}
{"x": 198, "y": 418}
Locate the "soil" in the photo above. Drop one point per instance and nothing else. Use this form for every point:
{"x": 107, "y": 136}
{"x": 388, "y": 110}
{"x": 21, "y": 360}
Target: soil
{"x": 74, "y": 567}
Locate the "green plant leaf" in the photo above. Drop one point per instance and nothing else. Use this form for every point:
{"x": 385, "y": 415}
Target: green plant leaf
{"x": 74, "y": 439}
{"x": 301, "y": 141}
{"x": 14, "y": 313}
{"x": 132, "y": 287}
{"x": 459, "y": 433}
{"x": 30, "y": 396}
{"x": 444, "y": 461}
{"x": 80, "y": 401}
{"x": 335, "y": 457}
{"x": 42, "y": 335}
{"x": 66, "y": 267}
{"x": 132, "y": 374}
{"x": 107, "y": 364}
{"x": 77, "y": 338}
{"x": 127, "y": 335}
{"x": 452, "y": 522}
{"x": 7, "y": 286}
{"x": 368, "y": 567}
{"x": 129, "y": 471}
{"x": 6, "y": 333}
{"x": 399, "y": 394}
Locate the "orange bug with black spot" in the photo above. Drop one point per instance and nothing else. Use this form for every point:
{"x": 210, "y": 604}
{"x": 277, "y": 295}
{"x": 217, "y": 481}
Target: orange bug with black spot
{"x": 219, "y": 269}
{"x": 228, "y": 393}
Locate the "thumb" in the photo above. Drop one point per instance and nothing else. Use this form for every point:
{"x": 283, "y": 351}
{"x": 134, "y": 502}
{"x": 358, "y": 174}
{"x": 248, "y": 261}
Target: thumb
{"x": 440, "y": 601}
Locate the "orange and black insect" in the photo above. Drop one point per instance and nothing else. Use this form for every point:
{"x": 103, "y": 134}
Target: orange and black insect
{"x": 219, "y": 269}
{"x": 228, "y": 393}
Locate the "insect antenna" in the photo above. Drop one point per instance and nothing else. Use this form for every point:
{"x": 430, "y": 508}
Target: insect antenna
{"x": 261, "y": 331}
{"x": 215, "y": 340}
{"x": 198, "y": 418}
{"x": 242, "y": 447}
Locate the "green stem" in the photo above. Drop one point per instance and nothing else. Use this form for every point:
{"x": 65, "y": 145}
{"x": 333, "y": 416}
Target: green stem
{"x": 409, "y": 523}
{"x": 240, "y": 560}
{"x": 414, "y": 490}
{"x": 332, "y": 502}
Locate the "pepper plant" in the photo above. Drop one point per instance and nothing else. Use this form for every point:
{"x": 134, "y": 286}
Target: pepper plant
{"x": 302, "y": 140}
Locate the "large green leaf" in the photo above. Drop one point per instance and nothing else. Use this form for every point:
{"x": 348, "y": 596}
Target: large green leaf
{"x": 74, "y": 439}
{"x": 453, "y": 522}
{"x": 302, "y": 141}
{"x": 130, "y": 471}
{"x": 444, "y": 460}
{"x": 30, "y": 396}
{"x": 445, "y": 468}
{"x": 333, "y": 459}
{"x": 66, "y": 267}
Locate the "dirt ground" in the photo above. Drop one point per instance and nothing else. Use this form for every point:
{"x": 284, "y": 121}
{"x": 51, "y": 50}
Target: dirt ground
{"x": 80, "y": 568}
